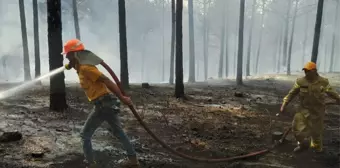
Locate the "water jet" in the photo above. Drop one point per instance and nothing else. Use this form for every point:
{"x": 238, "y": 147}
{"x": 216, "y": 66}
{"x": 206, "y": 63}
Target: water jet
{"x": 12, "y": 91}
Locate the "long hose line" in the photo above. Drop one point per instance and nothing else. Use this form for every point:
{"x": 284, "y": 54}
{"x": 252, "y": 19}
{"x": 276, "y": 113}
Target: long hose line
{"x": 192, "y": 158}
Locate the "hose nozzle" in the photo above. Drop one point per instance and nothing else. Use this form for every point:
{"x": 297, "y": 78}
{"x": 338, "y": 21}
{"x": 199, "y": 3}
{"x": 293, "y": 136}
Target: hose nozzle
{"x": 67, "y": 66}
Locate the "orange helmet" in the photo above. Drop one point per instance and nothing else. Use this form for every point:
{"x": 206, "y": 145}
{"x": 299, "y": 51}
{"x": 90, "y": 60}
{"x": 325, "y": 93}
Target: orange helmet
{"x": 73, "y": 45}
{"x": 309, "y": 66}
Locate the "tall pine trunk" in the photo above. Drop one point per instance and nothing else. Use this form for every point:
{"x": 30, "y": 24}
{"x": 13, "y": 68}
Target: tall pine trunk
{"x": 235, "y": 54}
{"x": 336, "y": 18}
{"x": 191, "y": 42}
{"x": 205, "y": 38}
{"x": 179, "y": 86}
{"x": 285, "y": 40}
{"x": 227, "y": 45}
{"x": 26, "y": 59}
{"x": 76, "y": 19}
{"x": 260, "y": 40}
{"x": 163, "y": 53}
{"x": 207, "y": 48}
{"x": 318, "y": 23}
{"x": 173, "y": 37}
{"x": 277, "y": 42}
{"x": 220, "y": 66}
{"x": 292, "y": 38}
{"x": 281, "y": 50}
{"x": 250, "y": 38}
{"x": 124, "y": 71}
{"x": 36, "y": 38}
{"x": 57, "y": 82}
{"x": 279, "y": 54}
{"x": 240, "y": 45}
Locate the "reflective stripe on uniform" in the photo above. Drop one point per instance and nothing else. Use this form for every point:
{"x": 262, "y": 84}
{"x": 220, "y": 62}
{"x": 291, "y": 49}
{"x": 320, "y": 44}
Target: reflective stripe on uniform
{"x": 286, "y": 98}
{"x": 296, "y": 85}
{"x": 328, "y": 88}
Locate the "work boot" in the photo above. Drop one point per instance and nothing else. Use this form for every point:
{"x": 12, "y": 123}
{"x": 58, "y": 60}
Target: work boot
{"x": 130, "y": 162}
{"x": 300, "y": 147}
{"x": 316, "y": 146}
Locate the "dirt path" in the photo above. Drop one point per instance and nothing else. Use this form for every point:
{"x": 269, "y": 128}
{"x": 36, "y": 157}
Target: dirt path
{"x": 213, "y": 123}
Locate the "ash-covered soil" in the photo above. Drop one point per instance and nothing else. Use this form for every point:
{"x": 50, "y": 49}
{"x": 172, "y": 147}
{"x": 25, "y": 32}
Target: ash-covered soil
{"x": 218, "y": 120}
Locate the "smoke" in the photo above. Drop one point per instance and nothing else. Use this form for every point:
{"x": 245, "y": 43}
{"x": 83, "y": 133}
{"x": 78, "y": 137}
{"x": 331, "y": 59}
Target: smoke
{"x": 99, "y": 31}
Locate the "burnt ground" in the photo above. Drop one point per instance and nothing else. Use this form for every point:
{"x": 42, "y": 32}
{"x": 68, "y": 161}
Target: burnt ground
{"x": 214, "y": 122}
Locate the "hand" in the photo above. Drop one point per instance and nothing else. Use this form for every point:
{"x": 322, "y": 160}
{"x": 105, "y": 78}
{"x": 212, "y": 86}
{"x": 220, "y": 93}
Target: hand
{"x": 126, "y": 100}
{"x": 283, "y": 107}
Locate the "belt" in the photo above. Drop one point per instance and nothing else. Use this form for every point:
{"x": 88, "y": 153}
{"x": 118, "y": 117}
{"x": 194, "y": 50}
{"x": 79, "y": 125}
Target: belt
{"x": 106, "y": 97}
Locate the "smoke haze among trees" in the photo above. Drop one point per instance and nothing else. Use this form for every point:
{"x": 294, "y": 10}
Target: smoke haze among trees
{"x": 98, "y": 22}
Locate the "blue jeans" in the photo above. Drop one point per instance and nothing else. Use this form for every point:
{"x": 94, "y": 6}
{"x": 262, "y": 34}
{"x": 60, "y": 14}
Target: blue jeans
{"x": 106, "y": 109}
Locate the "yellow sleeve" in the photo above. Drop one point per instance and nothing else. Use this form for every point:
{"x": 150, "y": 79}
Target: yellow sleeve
{"x": 92, "y": 73}
{"x": 292, "y": 93}
{"x": 331, "y": 92}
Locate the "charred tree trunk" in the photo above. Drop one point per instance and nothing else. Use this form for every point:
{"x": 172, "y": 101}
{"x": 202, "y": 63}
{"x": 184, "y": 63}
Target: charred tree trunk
{"x": 163, "y": 55}
{"x": 318, "y": 24}
{"x": 76, "y": 19}
{"x": 240, "y": 45}
{"x": 36, "y": 38}
{"x": 250, "y": 38}
{"x": 207, "y": 49}
{"x": 124, "y": 71}
{"x": 205, "y": 36}
{"x": 27, "y": 69}
{"x": 305, "y": 39}
{"x": 57, "y": 82}
{"x": 292, "y": 38}
{"x": 276, "y": 57}
{"x": 191, "y": 42}
{"x": 179, "y": 86}
{"x": 279, "y": 54}
{"x": 220, "y": 66}
{"x": 235, "y": 55}
{"x": 226, "y": 47}
{"x": 336, "y": 18}
{"x": 285, "y": 40}
{"x": 260, "y": 40}
{"x": 173, "y": 35}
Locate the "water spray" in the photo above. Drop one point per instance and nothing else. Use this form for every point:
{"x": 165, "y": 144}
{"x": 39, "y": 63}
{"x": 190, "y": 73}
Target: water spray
{"x": 22, "y": 87}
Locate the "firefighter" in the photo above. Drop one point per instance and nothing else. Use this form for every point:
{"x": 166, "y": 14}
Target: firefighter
{"x": 308, "y": 122}
{"x": 98, "y": 88}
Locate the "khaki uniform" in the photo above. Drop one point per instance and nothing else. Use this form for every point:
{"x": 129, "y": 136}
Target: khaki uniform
{"x": 309, "y": 119}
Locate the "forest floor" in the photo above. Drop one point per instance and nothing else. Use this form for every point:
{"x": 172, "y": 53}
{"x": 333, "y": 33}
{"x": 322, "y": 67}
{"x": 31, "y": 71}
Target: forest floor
{"x": 219, "y": 119}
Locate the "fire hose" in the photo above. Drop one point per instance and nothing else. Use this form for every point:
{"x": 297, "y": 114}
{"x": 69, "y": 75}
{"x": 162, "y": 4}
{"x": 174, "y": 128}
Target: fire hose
{"x": 192, "y": 158}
